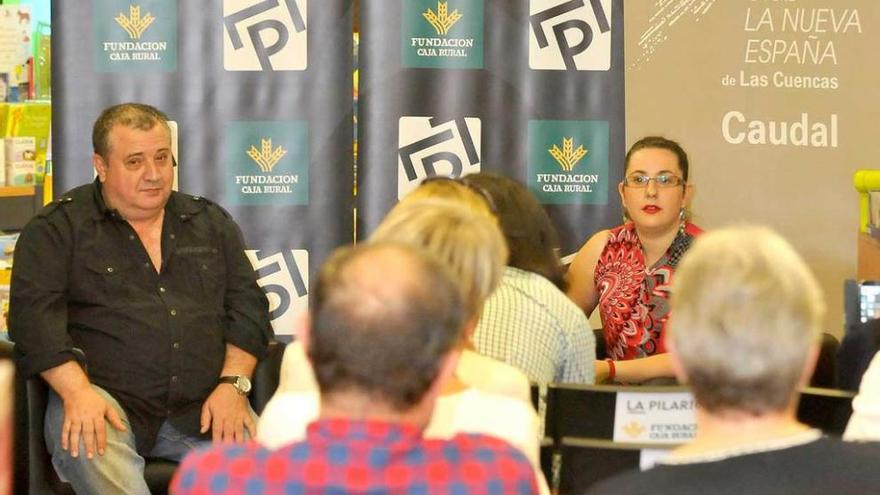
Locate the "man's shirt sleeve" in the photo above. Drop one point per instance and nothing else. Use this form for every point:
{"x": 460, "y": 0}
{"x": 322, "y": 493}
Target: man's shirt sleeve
{"x": 245, "y": 303}
{"x": 38, "y": 296}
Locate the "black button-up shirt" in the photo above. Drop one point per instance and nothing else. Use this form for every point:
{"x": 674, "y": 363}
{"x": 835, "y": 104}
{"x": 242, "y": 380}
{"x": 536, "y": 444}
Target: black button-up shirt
{"x": 84, "y": 288}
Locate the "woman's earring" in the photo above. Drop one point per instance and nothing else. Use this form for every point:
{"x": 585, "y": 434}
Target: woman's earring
{"x": 681, "y": 214}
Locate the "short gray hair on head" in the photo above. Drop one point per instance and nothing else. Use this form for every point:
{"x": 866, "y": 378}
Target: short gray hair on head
{"x": 746, "y": 310}
{"x": 384, "y": 316}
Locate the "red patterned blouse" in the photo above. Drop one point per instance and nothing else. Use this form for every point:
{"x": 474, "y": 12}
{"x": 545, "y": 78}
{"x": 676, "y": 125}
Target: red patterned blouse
{"x": 634, "y": 299}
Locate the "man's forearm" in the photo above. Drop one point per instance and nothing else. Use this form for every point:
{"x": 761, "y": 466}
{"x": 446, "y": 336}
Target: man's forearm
{"x": 66, "y": 379}
{"x": 238, "y": 362}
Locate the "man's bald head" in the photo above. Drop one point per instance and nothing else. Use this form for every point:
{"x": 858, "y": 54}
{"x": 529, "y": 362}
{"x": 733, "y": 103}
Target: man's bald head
{"x": 383, "y": 318}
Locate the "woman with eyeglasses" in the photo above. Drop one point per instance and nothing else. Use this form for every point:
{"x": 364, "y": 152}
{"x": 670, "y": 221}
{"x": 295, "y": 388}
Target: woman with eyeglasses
{"x": 625, "y": 272}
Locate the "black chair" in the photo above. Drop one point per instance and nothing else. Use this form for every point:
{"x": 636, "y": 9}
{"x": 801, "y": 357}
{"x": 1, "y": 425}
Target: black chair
{"x": 588, "y": 461}
{"x": 34, "y": 473}
{"x": 601, "y": 350}
{"x": 581, "y": 423}
{"x": 546, "y": 447}
{"x": 826, "y": 409}
{"x": 860, "y": 344}
{"x": 6, "y": 349}
{"x": 825, "y": 374}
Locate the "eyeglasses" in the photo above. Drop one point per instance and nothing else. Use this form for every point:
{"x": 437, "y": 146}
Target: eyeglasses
{"x": 641, "y": 181}
{"x": 468, "y": 184}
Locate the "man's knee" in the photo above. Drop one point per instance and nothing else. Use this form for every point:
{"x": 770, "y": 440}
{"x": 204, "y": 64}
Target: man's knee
{"x": 119, "y": 470}
{"x": 54, "y": 425}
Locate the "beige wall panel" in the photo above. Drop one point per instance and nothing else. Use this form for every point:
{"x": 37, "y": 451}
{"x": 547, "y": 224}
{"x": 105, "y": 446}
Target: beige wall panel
{"x": 676, "y": 87}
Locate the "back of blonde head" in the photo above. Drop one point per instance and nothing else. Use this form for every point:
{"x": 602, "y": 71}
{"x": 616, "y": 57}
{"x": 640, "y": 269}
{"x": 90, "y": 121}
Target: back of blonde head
{"x": 746, "y": 311}
{"x": 471, "y": 244}
{"x": 450, "y": 190}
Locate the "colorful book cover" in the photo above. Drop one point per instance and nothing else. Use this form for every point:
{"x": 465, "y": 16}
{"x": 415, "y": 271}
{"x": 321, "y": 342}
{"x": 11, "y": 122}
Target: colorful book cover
{"x": 4, "y": 311}
{"x": 7, "y": 246}
{"x": 33, "y": 118}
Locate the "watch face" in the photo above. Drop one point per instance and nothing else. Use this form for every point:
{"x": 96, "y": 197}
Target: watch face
{"x": 243, "y": 384}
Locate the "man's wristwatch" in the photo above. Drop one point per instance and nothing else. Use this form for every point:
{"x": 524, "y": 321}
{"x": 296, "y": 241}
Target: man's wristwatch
{"x": 241, "y": 383}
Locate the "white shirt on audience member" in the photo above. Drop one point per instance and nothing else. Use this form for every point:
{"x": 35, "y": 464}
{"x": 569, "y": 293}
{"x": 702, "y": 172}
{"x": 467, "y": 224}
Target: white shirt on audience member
{"x": 864, "y": 424}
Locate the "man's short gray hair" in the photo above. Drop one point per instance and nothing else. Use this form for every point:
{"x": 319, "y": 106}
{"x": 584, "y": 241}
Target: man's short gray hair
{"x": 746, "y": 311}
{"x": 134, "y": 115}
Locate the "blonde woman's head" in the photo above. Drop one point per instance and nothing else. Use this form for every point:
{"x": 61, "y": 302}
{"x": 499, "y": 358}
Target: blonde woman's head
{"x": 471, "y": 244}
{"x": 452, "y": 190}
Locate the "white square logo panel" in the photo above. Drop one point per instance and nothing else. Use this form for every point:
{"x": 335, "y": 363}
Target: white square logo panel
{"x": 265, "y": 35}
{"x": 429, "y": 146}
{"x": 284, "y": 277}
{"x": 570, "y": 35}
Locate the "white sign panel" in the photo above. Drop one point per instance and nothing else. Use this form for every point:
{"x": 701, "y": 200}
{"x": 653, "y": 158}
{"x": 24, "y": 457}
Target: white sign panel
{"x": 661, "y": 418}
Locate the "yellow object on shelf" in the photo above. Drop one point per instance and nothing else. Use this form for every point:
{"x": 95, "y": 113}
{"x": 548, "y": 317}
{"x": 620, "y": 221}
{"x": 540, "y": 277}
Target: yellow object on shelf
{"x": 13, "y": 191}
{"x": 5, "y": 277}
{"x": 865, "y": 182}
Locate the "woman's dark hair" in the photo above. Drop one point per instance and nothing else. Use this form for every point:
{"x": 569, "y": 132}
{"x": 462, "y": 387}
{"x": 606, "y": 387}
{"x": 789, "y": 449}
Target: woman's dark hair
{"x": 662, "y": 143}
{"x": 531, "y": 237}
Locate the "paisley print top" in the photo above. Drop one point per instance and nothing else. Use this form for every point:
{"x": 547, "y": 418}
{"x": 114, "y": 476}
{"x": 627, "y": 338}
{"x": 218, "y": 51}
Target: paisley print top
{"x": 634, "y": 299}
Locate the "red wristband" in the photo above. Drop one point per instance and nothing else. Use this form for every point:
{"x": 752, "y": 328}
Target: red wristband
{"x": 612, "y": 371}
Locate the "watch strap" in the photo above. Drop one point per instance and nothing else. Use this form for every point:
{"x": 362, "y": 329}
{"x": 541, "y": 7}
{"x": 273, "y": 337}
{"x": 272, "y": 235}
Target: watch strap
{"x": 236, "y": 382}
{"x": 231, "y": 379}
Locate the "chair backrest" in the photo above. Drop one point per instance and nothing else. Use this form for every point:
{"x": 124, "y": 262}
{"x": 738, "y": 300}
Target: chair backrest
{"x": 266, "y": 376}
{"x": 601, "y": 350}
{"x": 6, "y": 349}
{"x": 535, "y": 395}
{"x": 581, "y": 421}
{"x": 859, "y": 346}
{"x": 588, "y": 411}
{"x": 585, "y": 462}
{"x": 825, "y": 374}
{"x": 34, "y": 472}
{"x": 826, "y": 409}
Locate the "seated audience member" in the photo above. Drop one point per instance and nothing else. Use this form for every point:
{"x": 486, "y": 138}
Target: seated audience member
{"x": 626, "y": 272}
{"x": 381, "y": 337}
{"x": 483, "y": 395}
{"x": 864, "y": 424}
{"x": 483, "y": 372}
{"x": 473, "y": 247}
{"x": 139, "y": 308}
{"x": 528, "y": 321}
{"x": 745, "y": 337}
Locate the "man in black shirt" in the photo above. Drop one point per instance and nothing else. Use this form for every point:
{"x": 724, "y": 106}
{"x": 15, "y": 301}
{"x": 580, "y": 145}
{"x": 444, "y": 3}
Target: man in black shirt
{"x": 137, "y": 305}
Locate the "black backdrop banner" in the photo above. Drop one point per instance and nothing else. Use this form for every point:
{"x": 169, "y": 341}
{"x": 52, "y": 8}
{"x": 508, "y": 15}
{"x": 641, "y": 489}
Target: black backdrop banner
{"x": 533, "y": 89}
{"x": 260, "y": 95}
